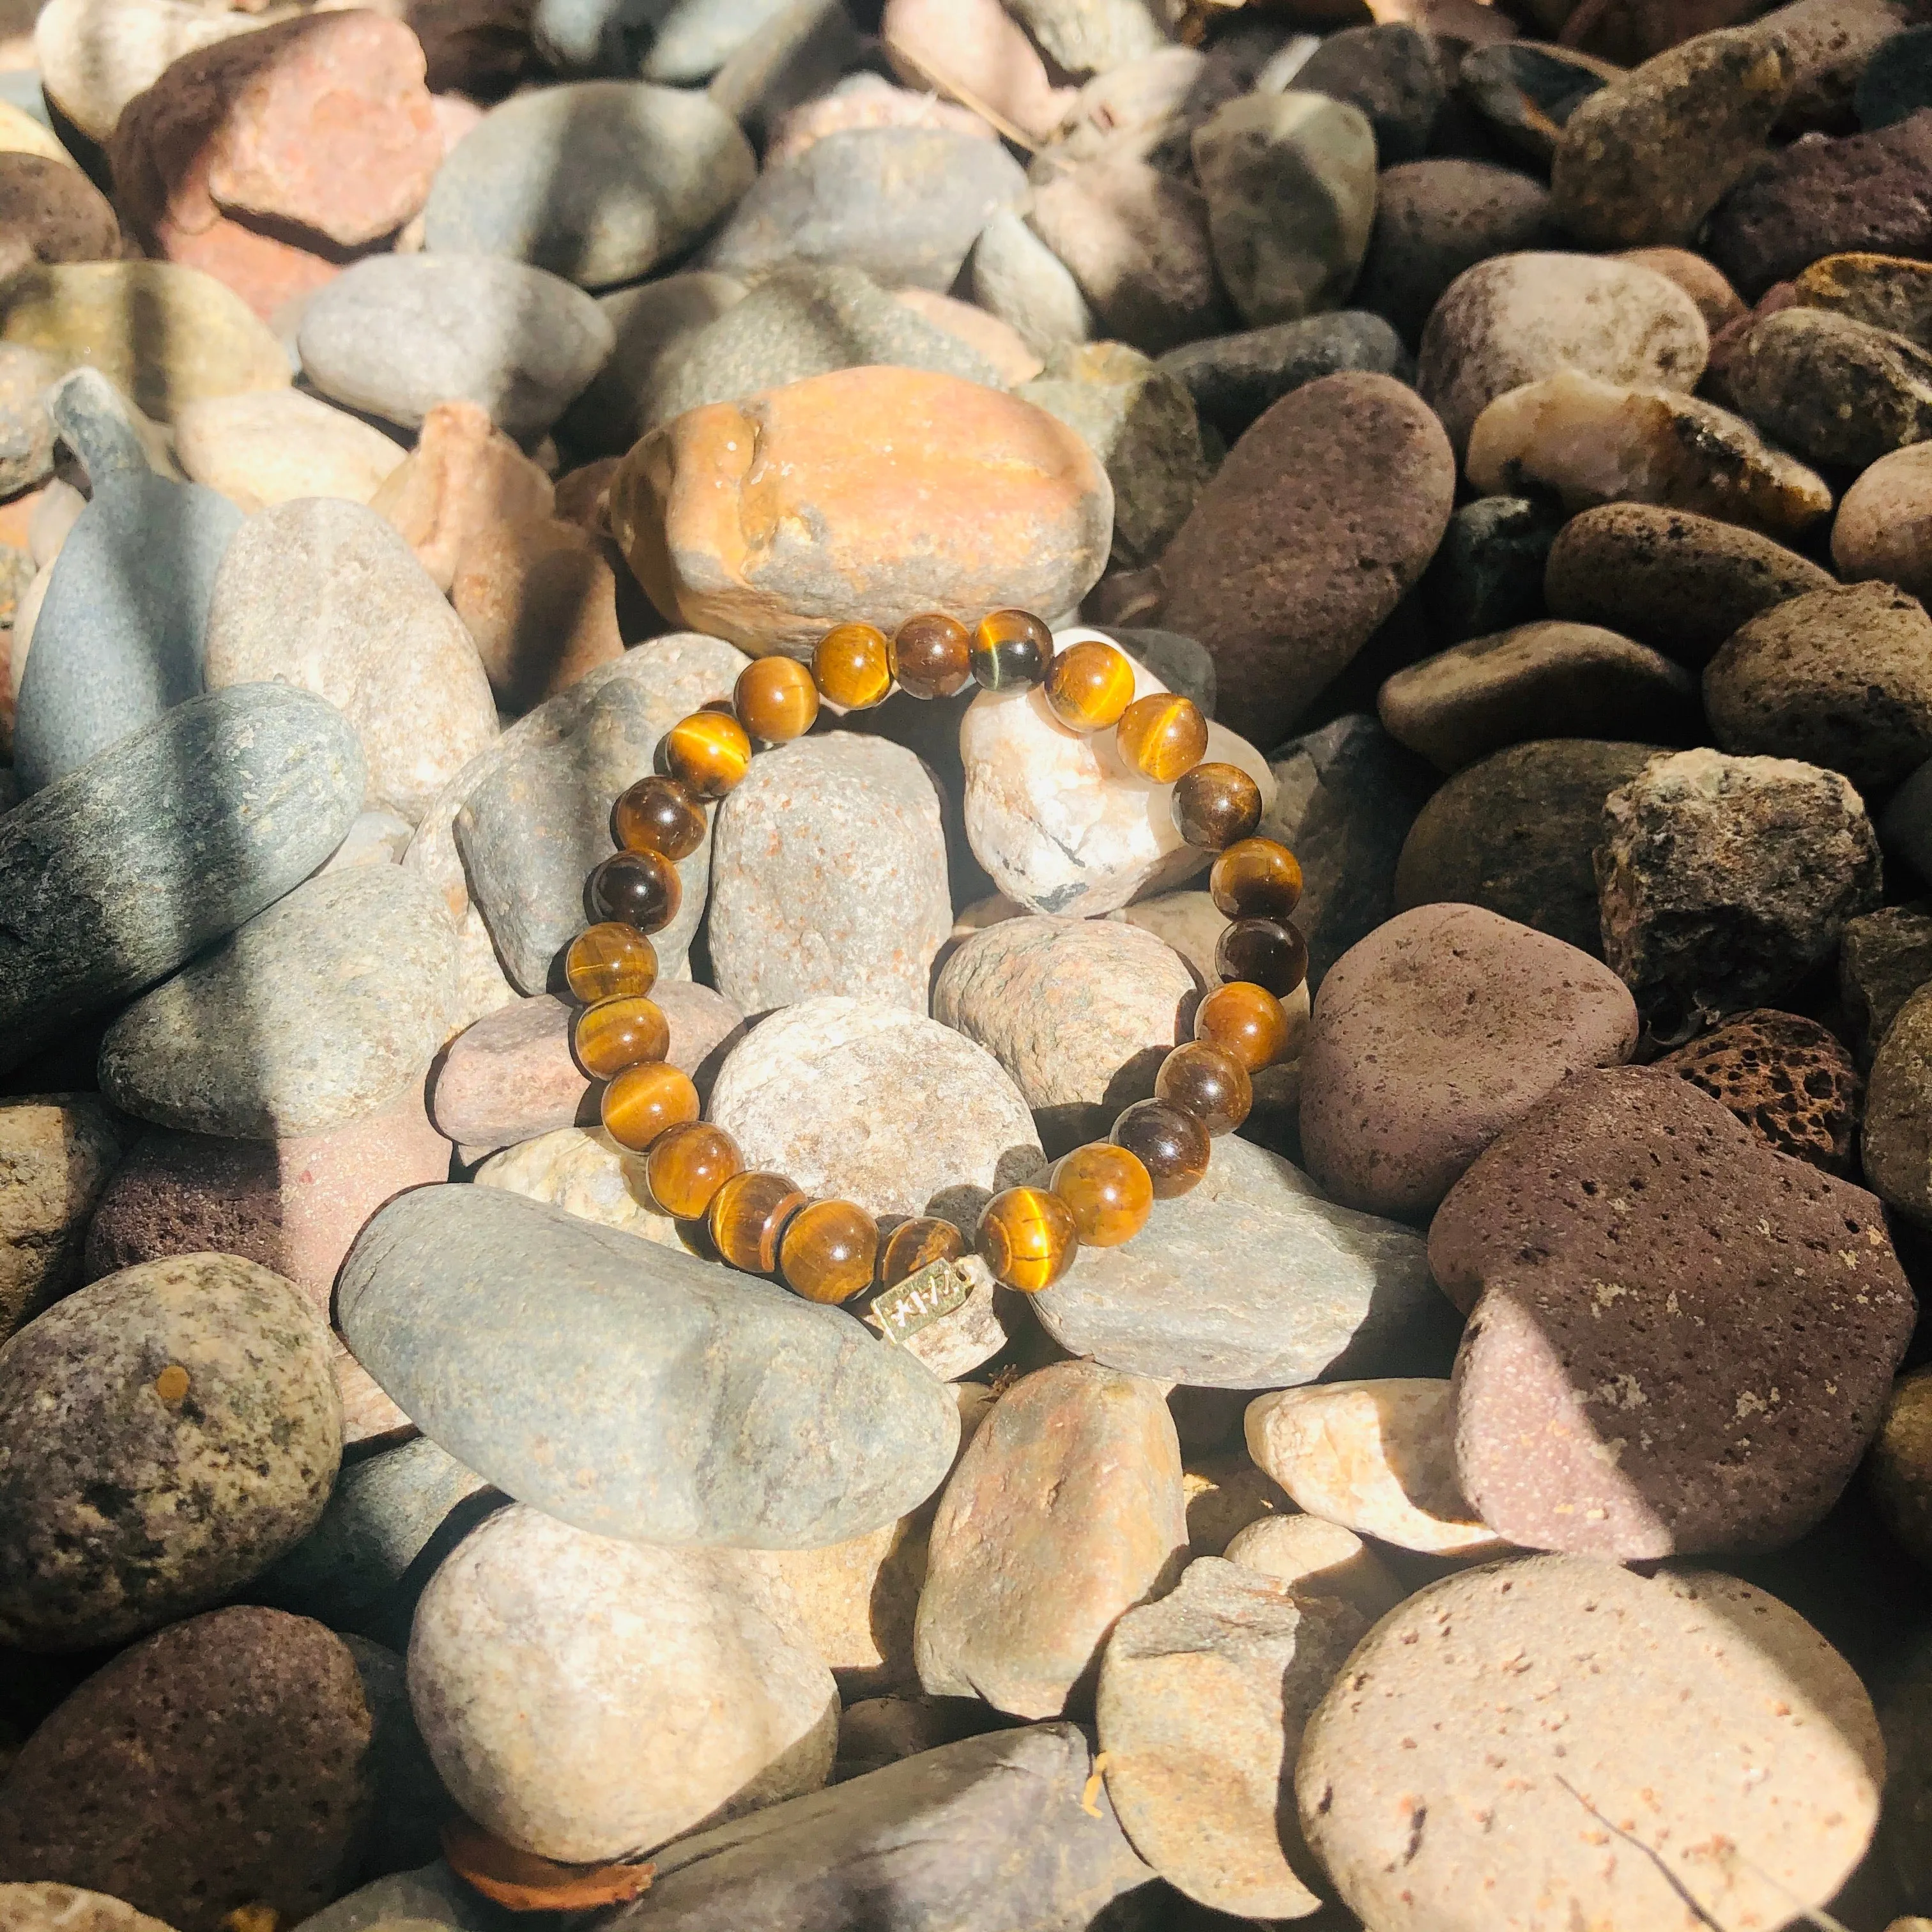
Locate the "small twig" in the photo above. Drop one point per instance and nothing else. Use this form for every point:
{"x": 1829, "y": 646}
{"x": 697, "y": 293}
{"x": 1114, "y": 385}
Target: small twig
{"x": 1669, "y": 1876}
{"x": 933, "y": 77}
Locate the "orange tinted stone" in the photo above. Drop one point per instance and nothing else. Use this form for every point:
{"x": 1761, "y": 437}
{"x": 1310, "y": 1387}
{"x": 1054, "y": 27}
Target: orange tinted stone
{"x": 1162, "y": 736}
{"x": 642, "y": 1101}
{"x": 1090, "y": 686}
{"x": 1246, "y": 1021}
{"x": 933, "y": 653}
{"x": 1011, "y": 650}
{"x": 707, "y": 753}
{"x": 1202, "y": 1080}
{"x": 641, "y": 889}
{"x": 657, "y": 814}
{"x": 1107, "y": 1190}
{"x": 1214, "y": 805}
{"x": 915, "y": 1244}
{"x": 687, "y": 1166}
{"x": 854, "y": 665}
{"x": 1256, "y": 878}
{"x": 776, "y": 699}
{"x": 1269, "y": 952}
{"x": 748, "y": 1215}
{"x": 619, "y": 1032}
{"x": 609, "y": 960}
{"x": 829, "y": 1251}
{"x": 1028, "y": 1237}
{"x": 1171, "y": 1144}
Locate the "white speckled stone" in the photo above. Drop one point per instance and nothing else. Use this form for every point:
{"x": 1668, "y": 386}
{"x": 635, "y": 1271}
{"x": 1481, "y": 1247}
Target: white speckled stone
{"x": 585, "y": 1172}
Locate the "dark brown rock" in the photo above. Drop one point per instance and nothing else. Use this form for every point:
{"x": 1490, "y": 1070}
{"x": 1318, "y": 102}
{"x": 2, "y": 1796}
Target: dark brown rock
{"x": 1884, "y": 958}
{"x": 52, "y": 212}
{"x": 1786, "y": 1078}
{"x": 1437, "y": 1031}
{"x": 1679, "y": 1342}
{"x": 1834, "y": 389}
{"x": 1324, "y": 517}
{"x": 1630, "y": 30}
{"x": 223, "y": 1763}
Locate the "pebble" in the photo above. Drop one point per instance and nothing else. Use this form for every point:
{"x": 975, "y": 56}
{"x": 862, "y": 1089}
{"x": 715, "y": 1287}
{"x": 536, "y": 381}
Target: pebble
{"x": 1514, "y": 832}
{"x": 597, "y": 181}
{"x": 27, "y": 433}
{"x": 222, "y": 1765}
{"x": 583, "y": 1171}
{"x": 326, "y": 1007}
{"x": 1899, "y": 1469}
{"x": 41, "y": 1906}
{"x": 22, "y": 133}
{"x": 1237, "y": 1656}
{"x": 1283, "y": 1287}
{"x": 1897, "y": 1142}
{"x": 860, "y": 460}
{"x": 1884, "y": 290}
{"x": 1437, "y": 1031}
{"x": 394, "y": 335}
{"x": 977, "y": 48}
{"x": 1322, "y": 519}
{"x": 1566, "y": 1356}
{"x": 1786, "y": 1078}
{"x": 1378, "y": 1458}
{"x": 1544, "y": 679}
{"x": 141, "y": 1505}
{"x": 1390, "y": 72}
{"x": 1717, "y": 302}
{"x": 636, "y": 1357}
{"x": 1527, "y": 91}
{"x": 1319, "y": 1559}
{"x": 829, "y": 876}
{"x": 1680, "y": 1680}
{"x": 1015, "y": 276}
{"x": 1678, "y": 581}
{"x": 865, "y": 1100}
{"x": 587, "y": 1699}
{"x": 1884, "y": 958}
{"x": 1834, "y": 390}
{"x": 1093, "y": 36}
{"x": 50, "y": 211}
{"x": 1233, "y": 379}
{"x": 123, "y": 870}
{"x": 1883, "y": 528}
{"x": 1692, "y": 927}
{"x": 539, "y": 601}
{"x": 1066, "y": 1511}
{"x": 650, "y": 320}
{"x": 275, "y": 445}
{"x": 58, "y": 1153}
{"x": 1518, "y": 319}
{"x": 1487, "y": 577}
{"x": 695, "y": 38}
{"x": 94, "y": 56}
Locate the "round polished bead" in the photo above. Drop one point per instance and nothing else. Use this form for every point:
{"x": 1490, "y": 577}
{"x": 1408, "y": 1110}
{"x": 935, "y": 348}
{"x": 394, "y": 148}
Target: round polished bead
{"x": 1163, "y": 736}
{"x": 776, "y": 700}
{"x": 608, "y": 960}
{"x": 915, "y": 1244}
{"x": 747, "y": 1216}
{"x": 1214, "y": 805}
{"x": 1107, "y": 1190}
{"x": 687, "y": 1166}
{"x": 1258, "y": 878}
{"x": 1011, "y": 650}
{"x": 933, "y": 653}
{"x": 1028, "y": 1237}
{"x": 1244, "y": 1021}
{"x": 1269, "y": 952}
{"x": 641, "y": 889}
{"x": 854, "y": 665}
{"x": 1212, "y": 1085}
{"x": 657, "y": 814}
{"x": 1171, "y": 1144}
{"x": 707, "y": 753}
{"x": 829, "y": 1251}
{"x": 642, "y": 1101}
{"x": 1091, "y": 684}
{"x": 619, "y": 1032}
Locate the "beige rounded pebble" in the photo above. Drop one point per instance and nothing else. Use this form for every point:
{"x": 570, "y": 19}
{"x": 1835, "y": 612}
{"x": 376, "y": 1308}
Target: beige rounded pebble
{"x": 1316, "y": 1558}
{"x": 1884, "y": 525}
{"x": 38, "y": 1906}
{"x": 276, "y": 444}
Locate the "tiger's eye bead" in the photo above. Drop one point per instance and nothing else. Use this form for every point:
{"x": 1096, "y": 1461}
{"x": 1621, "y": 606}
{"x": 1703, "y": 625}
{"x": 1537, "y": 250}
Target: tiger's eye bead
{"x": 747, "y": 1216}
{"x": 1028, "y": 1237}
{"x": 607, "y": 961}
{"x": 617, "y": 1033}
{"x": 642, "y": 1101}
{"x": 1011, "y": 650}
{"x": 1258, "y": 878}
{"x": 1214, "y": 805}
{"x": 1269, "y": 952}
{"x": 1106, "y": 1189}
{"x": 657, "y": 815}
{"x": 687, "y": 1166}
{"x": 854, "y": 665}
{"x": 829, "y": 1251}
{"x": 776, "y": 700}
{"x": 1090, "y": 686}
{"x": 1213, "y": 1086}
{"x": 915, "y": 1244}
{"x": 1162, "y": 736}
{"x": 933, "y": 655}
{"x": 1246, "y": 1021}
{"x": 707, "y": 753}
{"x": 1171, "y": 1144}
{"x": 640, "y": 889}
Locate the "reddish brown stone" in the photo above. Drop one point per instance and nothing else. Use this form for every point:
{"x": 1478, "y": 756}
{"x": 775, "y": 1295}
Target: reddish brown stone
{"x": 1630, "y": 30}
{"x": 1786, "y": 1078}
{"x": 540, "y": 602}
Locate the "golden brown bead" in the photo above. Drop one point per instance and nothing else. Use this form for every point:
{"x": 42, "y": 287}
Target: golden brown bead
{"x": 1163, "y": 736}
{"x": 1091, "y": 684}
{"x": 1172, "y": 1145}
{"x": 1257, "y": 878}
{"x": 829, "y": 1251}
{"x": 1028, "y": 1237}
{"x": 640, "y": 889}
{"x": 1202, "y": 1080}
{"x": 707, "y": 753}
{"x": 657, "y": 814}
{"x": 1246, "y": 1021}
{"x": 1011, "y": 650}
{"x": 619, "y": 1032}
{"x": 915, "y": 1244}
{"x": 776, "y": 700}
{"x": 1269, "y": 952}
{"x": 688, "y": 1164}
{"x": 932, "y": 653}
{"x": 748, "y": 1216}
{"x": 1214, "y": 805}
{"x": 854, "y": 665}
{"x": 608, "y": 960}
{"x": 1106, "y": 1189}
{"x": 642, "y": 1101}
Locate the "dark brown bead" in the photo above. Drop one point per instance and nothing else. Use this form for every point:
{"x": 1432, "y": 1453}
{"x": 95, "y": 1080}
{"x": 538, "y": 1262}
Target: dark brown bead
{"x": 854, "y": 665}
{"x": 1202, "y": 1080}
{"x": 707, "y": 753}
{"x": 619, "y": 1032}
{"x": 657, "y": 814}
{"x": 688, "y": 1164}
{"x": 933, "y": 653}
{"x": 915, "y": 1244}
{"x": 1269, "y": 952}
{"x": 1258, "y": 878}
{"x": 1214, "y": 805}
{"x": 829, "y": 1251}
{"x": 1012, "y": 650}
{"x": 641, "y": 889}
{"x": 645, "y": 1100}
{"x": 1091, "y": 685}
{"x": 776, "y": 700}
{"x": 748, "y": 1215}
{"x": 1171, "y": 1144}
{"x": 1108, "y": 1191}
{"x": 1161, "y": 736}
{"x": 1246, "y": 1021}
{"x": 607, "y": 960}
{"x": 1028, "y": 1238}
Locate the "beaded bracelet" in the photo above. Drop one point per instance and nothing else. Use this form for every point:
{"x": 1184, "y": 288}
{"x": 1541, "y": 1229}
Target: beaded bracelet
{"x": 831, "y": 1251}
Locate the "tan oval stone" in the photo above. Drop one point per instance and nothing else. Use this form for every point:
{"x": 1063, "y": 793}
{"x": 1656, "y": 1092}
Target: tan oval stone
{"x": 1317, "y": 1558}
{"x": 41, "y": 1906}
{"x": 1884, "y": 525}
{"x": 273, "y": 444}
